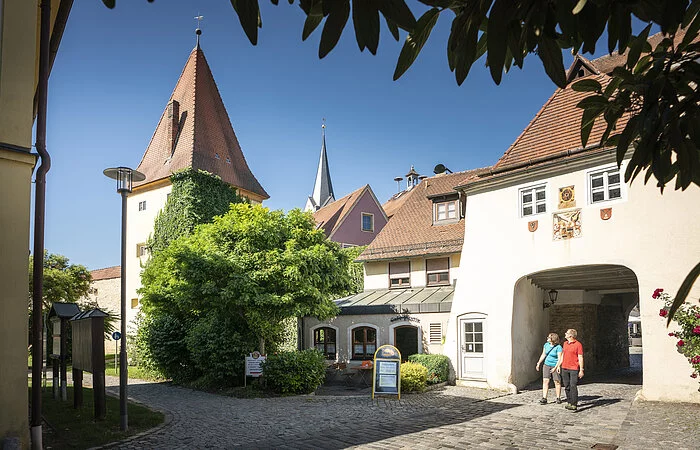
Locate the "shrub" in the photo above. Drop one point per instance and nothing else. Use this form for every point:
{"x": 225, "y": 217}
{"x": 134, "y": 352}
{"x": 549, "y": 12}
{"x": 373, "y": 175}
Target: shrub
{"x": 687, "y": 338}
{"x": 218, "y": 348}
{"x": 297, "y": 372}
{"x": 414, "y": 377}
{"x": 161, "y": 340}
{"x": 438, "y": 366}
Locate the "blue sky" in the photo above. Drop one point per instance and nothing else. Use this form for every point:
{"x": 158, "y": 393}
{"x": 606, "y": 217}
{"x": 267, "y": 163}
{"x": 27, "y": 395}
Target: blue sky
{"x": 115, "y": 71}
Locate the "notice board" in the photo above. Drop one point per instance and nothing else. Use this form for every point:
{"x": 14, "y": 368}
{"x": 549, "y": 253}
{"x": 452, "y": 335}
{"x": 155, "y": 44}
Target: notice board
{"x": 387, "y": 371}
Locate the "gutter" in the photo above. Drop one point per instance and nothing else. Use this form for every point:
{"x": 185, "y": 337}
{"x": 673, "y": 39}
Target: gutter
{"x": 39, "y": 220}
{"x": 515, "y": 168}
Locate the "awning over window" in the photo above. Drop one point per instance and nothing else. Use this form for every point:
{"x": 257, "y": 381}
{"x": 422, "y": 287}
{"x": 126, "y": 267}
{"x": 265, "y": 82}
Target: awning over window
{"x": 397, "y": 301}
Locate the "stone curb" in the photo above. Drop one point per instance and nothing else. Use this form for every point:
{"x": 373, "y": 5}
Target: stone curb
{"x": 168, "y": 419}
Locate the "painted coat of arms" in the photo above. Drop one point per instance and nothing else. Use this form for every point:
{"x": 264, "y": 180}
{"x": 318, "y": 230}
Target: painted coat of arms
{"x": 567, "y": 224}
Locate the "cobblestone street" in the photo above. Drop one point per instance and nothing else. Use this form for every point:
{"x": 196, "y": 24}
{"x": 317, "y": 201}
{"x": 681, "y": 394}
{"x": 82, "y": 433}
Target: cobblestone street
{"x": 447, "y": 417}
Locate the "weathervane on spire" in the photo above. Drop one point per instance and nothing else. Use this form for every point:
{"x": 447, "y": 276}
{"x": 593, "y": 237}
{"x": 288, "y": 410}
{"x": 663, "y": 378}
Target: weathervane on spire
{"x": 198, "y": 31}
{"x": 323, "y": 125}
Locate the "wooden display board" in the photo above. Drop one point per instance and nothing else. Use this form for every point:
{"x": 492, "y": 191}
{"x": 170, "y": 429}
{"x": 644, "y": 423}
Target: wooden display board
{"x": 386, "y": 379}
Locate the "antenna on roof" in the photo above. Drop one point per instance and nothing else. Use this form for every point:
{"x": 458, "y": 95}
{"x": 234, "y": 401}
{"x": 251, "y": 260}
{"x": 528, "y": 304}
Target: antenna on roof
{"x": 198, "y": 31}
{"x": 398, "y": 183}
{"x": 440, "y": 168}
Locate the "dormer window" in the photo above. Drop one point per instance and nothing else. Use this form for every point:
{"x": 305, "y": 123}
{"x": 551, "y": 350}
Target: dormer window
{"x": 400, "y": 274}
{"x": 216, "y": 155}
{"x": 445, "y": 211}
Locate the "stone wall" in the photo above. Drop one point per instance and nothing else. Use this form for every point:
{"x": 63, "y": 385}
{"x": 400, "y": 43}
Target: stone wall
{"x": 602, "y": 330}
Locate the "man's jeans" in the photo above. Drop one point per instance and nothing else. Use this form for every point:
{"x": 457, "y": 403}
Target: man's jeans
{"x": 570, "y": 380}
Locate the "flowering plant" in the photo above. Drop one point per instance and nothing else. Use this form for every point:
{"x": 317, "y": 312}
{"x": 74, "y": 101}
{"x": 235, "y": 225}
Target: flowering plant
{"x": 688, "y": 337}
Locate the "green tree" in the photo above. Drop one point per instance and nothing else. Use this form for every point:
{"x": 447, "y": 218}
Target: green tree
{"x": 196, "y": 197}
{"x": 355, "y": 269}
{"x": 249, "y": 269}
{"x": 63, "y": 282}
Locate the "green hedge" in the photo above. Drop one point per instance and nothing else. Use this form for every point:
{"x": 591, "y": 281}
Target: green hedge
{"x": 413, "y": 377}
{"x": 438, "y": 366}
{"x": 297, "y": 372}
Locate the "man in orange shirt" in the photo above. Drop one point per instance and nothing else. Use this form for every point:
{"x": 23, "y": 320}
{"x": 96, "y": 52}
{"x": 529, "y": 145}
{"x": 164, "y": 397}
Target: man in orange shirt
{"x": 571, "y": 368}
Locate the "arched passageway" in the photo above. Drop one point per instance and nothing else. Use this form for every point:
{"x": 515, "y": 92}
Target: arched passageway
{"x": 596, "y": 300}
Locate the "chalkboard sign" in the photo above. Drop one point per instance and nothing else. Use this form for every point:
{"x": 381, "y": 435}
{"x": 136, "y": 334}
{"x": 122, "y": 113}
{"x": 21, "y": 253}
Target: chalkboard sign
{"x": 387, "y": 371}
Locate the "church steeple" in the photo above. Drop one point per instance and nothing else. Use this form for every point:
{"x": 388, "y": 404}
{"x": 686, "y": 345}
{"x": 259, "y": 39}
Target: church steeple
{"x": 323, "y": 188}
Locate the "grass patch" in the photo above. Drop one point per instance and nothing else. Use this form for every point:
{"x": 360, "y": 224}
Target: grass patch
{"x": 134, "y": 371}
{"x": 70, "y": 428}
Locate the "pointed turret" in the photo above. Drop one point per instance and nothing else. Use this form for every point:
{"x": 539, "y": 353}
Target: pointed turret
{"x": 195, "y": 131}
{"x": 323, "y": 188}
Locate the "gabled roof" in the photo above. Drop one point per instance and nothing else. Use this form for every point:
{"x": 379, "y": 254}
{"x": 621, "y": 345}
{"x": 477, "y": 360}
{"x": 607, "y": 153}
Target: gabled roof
{"x": 107, "y": 273}
{"x": 203, "y": 139}
{"x": 323, "y": 193}
{"x": 555, "y": 131}
{"x": 331, "y": 217}
{"x": 411, "y": 231}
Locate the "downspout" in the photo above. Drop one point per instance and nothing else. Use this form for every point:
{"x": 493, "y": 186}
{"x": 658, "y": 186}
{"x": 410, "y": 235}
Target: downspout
{"x": 39, "y": 219}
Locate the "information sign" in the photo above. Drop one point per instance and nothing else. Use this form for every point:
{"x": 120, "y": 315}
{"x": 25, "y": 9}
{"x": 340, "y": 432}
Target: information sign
{"x": 116, "y": 335}
{"x": 253, "y": 364}
{"x": 387, "y": 371}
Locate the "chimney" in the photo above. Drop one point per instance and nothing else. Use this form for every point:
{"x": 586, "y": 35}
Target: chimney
{"x": 173, "y": 124}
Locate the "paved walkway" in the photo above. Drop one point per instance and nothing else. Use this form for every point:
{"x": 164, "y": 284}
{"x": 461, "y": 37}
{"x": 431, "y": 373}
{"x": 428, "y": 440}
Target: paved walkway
{"x": 448, "y": 417}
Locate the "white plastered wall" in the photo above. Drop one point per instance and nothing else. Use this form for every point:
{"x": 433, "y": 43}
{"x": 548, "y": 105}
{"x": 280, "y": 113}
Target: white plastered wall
{"x": 377, "y": 272}
{"x": 654, "y": 235}
{"x": 139, "y": 228}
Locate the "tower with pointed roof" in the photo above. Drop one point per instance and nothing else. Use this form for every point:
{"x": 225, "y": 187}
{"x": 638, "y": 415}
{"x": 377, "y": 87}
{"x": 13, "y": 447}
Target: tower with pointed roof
{"x": 322, "y": 194}
{"x": 195, "y": 132}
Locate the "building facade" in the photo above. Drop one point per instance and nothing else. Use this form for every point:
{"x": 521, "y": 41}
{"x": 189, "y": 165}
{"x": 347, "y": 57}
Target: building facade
{"x": 551, "y": 217}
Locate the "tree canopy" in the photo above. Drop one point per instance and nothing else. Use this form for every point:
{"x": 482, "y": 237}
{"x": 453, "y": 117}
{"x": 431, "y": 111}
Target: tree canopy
{"x": 243, "y": 274}
{"x": 63, "y": 282}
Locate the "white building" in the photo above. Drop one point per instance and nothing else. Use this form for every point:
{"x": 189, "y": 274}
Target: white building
{"x": 550, "y": 216}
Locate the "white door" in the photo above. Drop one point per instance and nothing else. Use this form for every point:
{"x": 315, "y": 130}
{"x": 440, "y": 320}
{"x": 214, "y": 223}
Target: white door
{"x": 472, "y": 348}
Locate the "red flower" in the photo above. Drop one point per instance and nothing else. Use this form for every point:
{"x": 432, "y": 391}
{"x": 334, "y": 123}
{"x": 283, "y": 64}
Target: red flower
{"x": 695, "y": 359}
{"x": 697, "y": 316}
{"x": 663, "y": 313}
{"x": 680, "y": 343}
{"x": 671, "y": 334}
{"x": 696, "y": 330}
{"x": 694, "y": 375}
{"x": 657, "y": 293}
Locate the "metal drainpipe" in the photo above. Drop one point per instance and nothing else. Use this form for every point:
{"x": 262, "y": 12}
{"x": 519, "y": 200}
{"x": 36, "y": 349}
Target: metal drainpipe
{"x": 39, "y": 216}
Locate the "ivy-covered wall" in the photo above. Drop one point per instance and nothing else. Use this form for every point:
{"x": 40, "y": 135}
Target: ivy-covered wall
{"x": 197, "y": 196}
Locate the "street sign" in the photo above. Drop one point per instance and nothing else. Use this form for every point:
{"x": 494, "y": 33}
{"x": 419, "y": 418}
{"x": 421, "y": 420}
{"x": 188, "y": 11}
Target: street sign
{"x": 387, "y": 371}
{"x": 116, "y": 335}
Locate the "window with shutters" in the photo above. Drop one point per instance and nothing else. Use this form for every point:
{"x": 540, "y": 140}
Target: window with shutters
{"x": 437, "y": 271}
{"x": 400, "y": 274}
{"x": 436, "y": 333}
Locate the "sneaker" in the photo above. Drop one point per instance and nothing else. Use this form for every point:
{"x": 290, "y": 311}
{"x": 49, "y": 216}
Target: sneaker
{"x": 570, "y": 407}
{"x": 558, "y": 401}
{"x": 543, "y": 401}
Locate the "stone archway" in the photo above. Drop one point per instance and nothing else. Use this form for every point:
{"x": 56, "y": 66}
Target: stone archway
{"x": 593, "y": 299}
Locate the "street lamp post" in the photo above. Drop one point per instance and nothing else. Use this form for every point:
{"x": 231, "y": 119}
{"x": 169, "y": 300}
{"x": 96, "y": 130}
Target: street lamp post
{"x": 124, "y": 176}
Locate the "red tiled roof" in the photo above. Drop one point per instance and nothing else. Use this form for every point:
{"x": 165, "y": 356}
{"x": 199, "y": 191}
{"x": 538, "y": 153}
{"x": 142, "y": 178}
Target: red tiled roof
{"x": 395, "y": 203}
{"x": 331, "y": 216}
{"x": 411, "y": 231}
{"x": 556, "y": 128}
{"x": 205, "y": 131}
{"x": 107, "y": 273}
